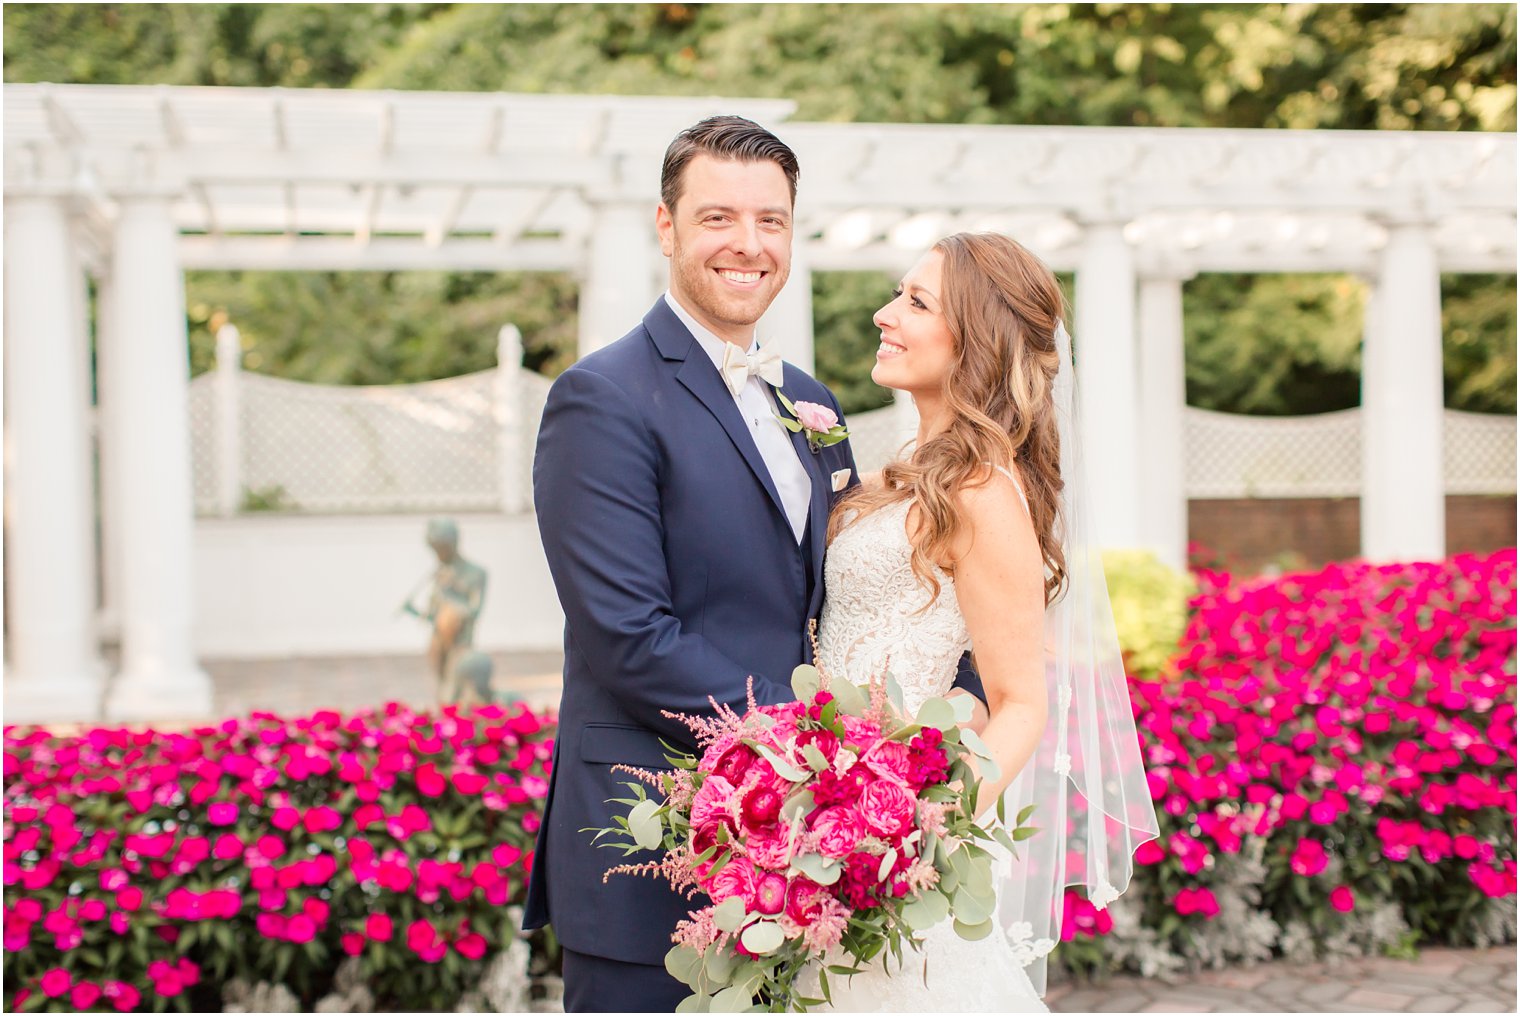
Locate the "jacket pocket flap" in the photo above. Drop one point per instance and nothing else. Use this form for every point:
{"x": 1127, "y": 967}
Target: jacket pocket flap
{"x": 611, "y": 743}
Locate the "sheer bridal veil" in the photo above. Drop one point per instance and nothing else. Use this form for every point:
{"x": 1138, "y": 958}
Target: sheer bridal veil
{"x": 1087, "y": 778}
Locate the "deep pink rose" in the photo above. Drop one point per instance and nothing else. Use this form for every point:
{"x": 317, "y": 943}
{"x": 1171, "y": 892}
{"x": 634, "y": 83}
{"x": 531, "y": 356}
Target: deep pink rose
{"x": 759, "y": 807}
{"x": 839, "y": 829}
{"x": 736, "y": 878}
{"x": 84, "y": 995}
{"x": 352, "y": 943}
{"x": 886, "y": 807}
{"x": 803, "y": 900}
{"x": 1342, "y": 899}
{"x": 471, "y": 946}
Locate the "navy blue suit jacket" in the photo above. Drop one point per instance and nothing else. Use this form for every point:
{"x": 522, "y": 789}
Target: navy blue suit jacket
{"x": 680, "y": 579}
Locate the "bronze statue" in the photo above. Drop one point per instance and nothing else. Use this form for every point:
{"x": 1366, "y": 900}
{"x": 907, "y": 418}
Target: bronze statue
{"x": 456, "y": 591}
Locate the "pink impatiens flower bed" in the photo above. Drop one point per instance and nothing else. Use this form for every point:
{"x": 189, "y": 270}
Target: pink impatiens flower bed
{"x": 1353, "y": 730}
{"x": 1337, "y": 746}
{"x": 145, "y": 869}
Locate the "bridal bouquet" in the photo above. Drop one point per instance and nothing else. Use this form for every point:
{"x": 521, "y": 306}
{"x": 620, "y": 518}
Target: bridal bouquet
{"x": 832, "y": 825}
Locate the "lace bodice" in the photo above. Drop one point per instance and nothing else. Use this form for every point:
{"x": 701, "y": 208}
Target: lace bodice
{"x": 870, "y": 622}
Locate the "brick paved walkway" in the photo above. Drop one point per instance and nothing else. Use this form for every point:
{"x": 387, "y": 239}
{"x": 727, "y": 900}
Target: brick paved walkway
{"x": 1441, "y": 980}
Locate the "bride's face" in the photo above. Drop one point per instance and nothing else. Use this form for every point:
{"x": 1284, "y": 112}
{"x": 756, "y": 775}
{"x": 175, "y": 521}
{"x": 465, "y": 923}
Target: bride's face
{"x": 916, "y": 351}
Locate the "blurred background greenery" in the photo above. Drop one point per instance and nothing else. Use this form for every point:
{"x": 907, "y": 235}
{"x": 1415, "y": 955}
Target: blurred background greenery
{"x": 1265, "y": 344}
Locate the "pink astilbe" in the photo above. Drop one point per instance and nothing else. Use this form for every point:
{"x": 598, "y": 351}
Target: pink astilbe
{"x": 699, "y": 932}
{"x": 828, "y": 929}
{"x": 677, "y": 867}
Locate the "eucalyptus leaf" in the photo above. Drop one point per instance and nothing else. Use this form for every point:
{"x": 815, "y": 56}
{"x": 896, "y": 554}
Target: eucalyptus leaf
{"x": 885, "y": 868}
{"x": 895, "y": 692}
{"x": 928, "y": 910}
{"x": 971, "y": 739}
{"x": 720, "y": 964}
{"x": 798, "y": 804}
{"x": 805, "y": 682}
{"x": 850, "y": 698}
{"x": 684, "y": 964}
{"x": 814, "y": 758}
{"x": 937, "y": 713}
{"x": 695, "y": 1003}
{"x": 820, "y": 869}
{"x": 972, "y": 908}
{"x": 646, "y": 828}
{"x": 964, "y": 706}
{"x": 731, "y": 1000}
{"x": 729, "y": 915}
{"x": 784, "y": 769}
{"x": 763, "y": 937}
{"x": 991, "y": 771}
{"x": 973, "y": 932}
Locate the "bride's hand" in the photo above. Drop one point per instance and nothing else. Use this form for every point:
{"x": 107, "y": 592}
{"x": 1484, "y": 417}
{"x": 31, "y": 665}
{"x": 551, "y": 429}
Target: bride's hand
{"x": 979, "y": 715}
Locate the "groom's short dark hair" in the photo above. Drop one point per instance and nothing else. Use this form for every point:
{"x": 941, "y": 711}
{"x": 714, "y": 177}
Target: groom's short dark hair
{"x": 730, "y": 138}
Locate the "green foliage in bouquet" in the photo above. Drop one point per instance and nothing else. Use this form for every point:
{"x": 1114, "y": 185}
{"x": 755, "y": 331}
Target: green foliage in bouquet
{"x": 1150, "y": 604}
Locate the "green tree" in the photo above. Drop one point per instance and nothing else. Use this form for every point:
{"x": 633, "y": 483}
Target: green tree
{"x": 1270, "y": 344}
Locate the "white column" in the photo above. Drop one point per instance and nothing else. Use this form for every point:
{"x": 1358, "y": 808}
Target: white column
{"x": 229, "y": 420}
{"x": 55, "y": 671}
{"x": 1107, "y": 383}
{"x": 105, "y": 450}
{"x": 1163, "y": 398}
{"x": 145, "y": 371}
{"x": 511, "y": 442}
{"x": 619, "y": 284}
{"x": 788, "y": 324}
{"x": 1403, "y": 487}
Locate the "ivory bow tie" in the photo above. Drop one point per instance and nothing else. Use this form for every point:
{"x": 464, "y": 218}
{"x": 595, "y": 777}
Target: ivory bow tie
{"x": 737, "y": 367}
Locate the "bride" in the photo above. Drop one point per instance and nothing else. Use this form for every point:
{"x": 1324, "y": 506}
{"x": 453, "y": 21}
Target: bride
{"x": 976, "y": 540}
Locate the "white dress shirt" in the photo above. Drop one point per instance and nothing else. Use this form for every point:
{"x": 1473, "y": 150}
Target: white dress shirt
{"x": 758, "y": 408}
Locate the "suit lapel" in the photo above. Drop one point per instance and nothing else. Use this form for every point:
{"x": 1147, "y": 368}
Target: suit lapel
{"x": 818, "y": 506}
{"x": 698, "y": 375}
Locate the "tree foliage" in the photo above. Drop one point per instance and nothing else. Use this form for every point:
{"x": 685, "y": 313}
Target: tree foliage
{"x": 1265, "y": 344}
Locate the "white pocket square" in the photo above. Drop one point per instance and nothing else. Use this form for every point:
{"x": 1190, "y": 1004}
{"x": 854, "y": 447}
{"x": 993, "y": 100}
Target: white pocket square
{"x": 839, "y": 480}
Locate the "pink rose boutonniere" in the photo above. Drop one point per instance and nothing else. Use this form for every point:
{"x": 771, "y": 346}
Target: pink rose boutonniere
{"x": 819, "y": 423}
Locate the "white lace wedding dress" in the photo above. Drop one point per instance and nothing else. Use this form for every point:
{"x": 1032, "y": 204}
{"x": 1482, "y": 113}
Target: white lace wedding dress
{"x": 868, "y": 618}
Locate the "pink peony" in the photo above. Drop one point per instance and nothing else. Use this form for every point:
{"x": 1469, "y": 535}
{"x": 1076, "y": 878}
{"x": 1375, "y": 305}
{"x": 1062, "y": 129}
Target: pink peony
{"x": 887, "y": 808}
{"x": 711, "y": 803}
{"x": 803, "y": 900}
{"x": 839, "y": 830}
{"x": 736, "y": 878}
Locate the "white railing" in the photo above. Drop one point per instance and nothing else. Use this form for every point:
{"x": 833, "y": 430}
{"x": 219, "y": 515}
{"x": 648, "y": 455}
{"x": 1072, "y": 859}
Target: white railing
{"x": 466, "y": 444}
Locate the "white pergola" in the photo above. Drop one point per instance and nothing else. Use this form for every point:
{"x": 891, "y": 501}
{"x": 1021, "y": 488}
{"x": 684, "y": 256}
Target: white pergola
{"x": 132, "y": 185}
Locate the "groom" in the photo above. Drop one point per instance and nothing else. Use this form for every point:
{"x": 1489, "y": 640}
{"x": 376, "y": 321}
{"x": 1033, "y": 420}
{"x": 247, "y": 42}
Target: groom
{"x": 685, "y": 529}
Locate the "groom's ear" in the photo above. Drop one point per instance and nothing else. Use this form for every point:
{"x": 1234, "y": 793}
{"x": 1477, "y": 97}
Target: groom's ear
{"x": 665, "y": 226}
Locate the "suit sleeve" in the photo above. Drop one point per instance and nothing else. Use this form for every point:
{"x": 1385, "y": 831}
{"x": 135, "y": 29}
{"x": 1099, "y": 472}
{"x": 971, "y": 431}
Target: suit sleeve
{"x": 596, "y": 488}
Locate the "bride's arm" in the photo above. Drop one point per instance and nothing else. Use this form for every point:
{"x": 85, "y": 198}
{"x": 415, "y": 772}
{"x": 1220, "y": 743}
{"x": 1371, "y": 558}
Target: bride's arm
{"x": 999, "y": 581}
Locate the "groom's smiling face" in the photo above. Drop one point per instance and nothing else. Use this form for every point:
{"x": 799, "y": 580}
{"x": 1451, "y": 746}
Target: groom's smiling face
{"x": 729, "y": 240}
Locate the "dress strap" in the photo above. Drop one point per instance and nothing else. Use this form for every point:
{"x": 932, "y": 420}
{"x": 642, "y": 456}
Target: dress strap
{"x": 1016, "y": 485}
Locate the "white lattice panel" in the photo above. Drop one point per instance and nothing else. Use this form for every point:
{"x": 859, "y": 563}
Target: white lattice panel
{"x": 1321, "y": 456}
{"x": 1479, "y": 453}
{"x": 204, "y": 472}
{"x": 535, "y": 392}
{"x": 1257, "y": 456}
{"x": 876, "y": 437}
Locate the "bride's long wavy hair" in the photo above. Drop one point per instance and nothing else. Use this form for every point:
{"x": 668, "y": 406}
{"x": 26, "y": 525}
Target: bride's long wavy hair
{"x": 1002, "y": 306}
